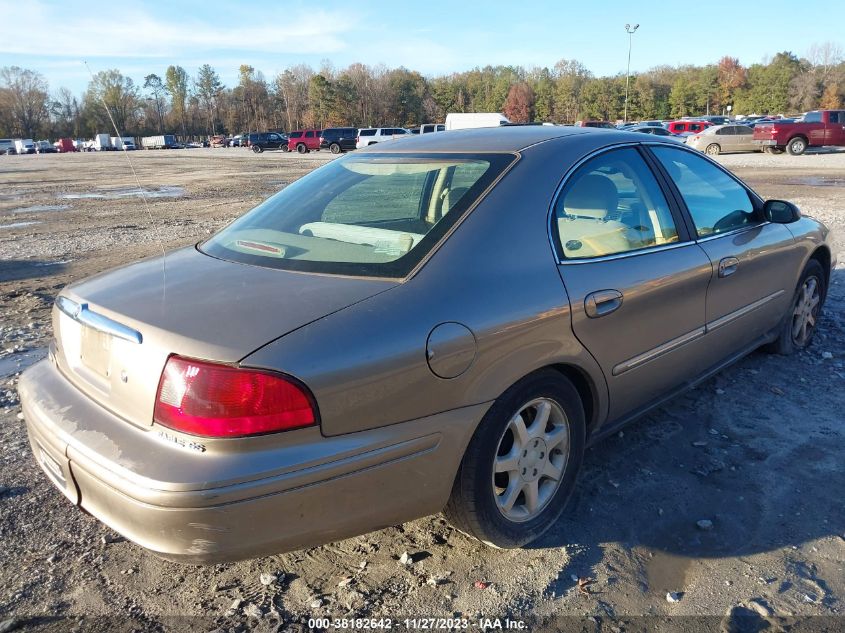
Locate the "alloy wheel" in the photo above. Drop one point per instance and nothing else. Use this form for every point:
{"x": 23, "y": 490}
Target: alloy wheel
{"x": 531, "y": 459}
{"x": 805, "y": 313}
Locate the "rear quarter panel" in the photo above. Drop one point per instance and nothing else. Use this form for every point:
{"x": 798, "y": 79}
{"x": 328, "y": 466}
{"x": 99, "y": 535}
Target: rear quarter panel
{"x": 496, "y": 274}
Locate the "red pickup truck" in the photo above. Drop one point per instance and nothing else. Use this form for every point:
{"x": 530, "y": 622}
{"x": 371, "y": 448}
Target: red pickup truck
{"x": 819, "y": 127}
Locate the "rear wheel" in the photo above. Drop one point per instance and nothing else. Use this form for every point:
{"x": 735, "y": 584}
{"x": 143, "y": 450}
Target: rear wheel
{"x": 713, "y": 149}
{"x": 335, "y": 148}
{"x": 257, "y": 149}
{"x": 520, "y": 466}
{"x": 799, "y": 324}
{"x": 796, "y": 146}
{"x": 301, "y": 148}
{"x": 285, "y": 148}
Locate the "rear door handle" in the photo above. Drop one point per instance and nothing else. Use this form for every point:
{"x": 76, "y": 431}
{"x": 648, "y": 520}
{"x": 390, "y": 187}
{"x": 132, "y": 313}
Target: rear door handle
{"x": 727, "y": 266}
{"x": 602, "y": 302}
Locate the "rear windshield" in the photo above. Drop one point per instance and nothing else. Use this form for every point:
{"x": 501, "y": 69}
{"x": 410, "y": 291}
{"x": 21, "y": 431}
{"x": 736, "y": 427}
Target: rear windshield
{"x": 374, "y": 216}
{"x": 367, "y": 133}
{"x": 295, "y": 134}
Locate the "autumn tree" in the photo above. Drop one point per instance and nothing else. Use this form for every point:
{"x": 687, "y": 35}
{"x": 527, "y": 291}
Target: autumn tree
{"x": 25, "y": 100}
{"x": 155, "y": 85}
{"x": 176, "y": 82}
{"x": 110, "y": 92}
{"x": 731, "y": 76}
{"x": 208, "y": 87}
{"x": 519, "y": 104}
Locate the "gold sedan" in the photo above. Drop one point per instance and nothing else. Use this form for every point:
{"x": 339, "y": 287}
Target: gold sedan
{"x": 720, "y": 139}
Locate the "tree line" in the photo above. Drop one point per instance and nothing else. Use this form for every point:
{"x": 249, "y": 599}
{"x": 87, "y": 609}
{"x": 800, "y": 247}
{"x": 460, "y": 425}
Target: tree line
{"x": 362, "y": 95}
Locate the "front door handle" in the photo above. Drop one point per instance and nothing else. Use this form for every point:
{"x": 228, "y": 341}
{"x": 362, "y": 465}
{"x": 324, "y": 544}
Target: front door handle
{"x": 727, "y": 266}
{"x": 602, "y": 302}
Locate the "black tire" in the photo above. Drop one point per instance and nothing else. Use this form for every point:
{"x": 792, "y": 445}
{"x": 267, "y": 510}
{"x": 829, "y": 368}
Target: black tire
{"x": 334, "y": 148}
{"x": 713, "y": 149}
{"x": 257, "y": 149}
{"x": 472, "y": 506}
{"x": 787, "y": 343}
{"x": 301, "y": 148}
{"x": 796, "y": 146}
{"x": 285, "y": 148}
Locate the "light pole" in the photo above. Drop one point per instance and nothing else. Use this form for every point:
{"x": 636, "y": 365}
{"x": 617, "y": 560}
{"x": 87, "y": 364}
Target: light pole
{"x": 631, "y": 30}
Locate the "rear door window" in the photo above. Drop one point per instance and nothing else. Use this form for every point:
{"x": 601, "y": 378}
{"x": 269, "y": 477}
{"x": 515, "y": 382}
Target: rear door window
{"x": 613, "y": 205}
{"x": 716, "y": 202}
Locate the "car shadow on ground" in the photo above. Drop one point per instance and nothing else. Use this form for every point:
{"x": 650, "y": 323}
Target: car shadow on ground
{"x": 748, "y": 462}
{"x": 19, "y": 269}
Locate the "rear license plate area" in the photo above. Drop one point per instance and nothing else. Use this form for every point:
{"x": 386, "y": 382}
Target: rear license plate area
{"x": 51, "y": 467}
{"x": 95, "y": 351}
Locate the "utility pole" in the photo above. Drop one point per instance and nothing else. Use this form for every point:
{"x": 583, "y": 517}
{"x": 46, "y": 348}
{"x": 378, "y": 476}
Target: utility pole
{"x": 630, "y": 30}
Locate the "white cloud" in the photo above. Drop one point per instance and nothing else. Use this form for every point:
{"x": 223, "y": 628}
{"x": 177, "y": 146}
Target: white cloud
{"x": 115, "y": 31}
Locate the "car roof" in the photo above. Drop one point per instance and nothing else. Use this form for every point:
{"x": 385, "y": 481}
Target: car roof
{"x": 498, "y": 139}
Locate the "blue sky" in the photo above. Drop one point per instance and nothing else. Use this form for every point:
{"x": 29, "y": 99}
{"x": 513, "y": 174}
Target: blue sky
{"x": 436, "y": 37}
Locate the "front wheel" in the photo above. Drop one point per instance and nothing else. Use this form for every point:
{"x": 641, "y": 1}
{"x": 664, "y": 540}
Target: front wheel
{"x": 713, "y": 149}
{"x": 521, "y": 464}
{"x": 799, "y": 324}
{"x": 796, "y": 146}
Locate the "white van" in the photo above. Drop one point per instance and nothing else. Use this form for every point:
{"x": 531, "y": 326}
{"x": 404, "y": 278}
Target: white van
{"x": 25, "y": 146}
{"x": 464, "y": 120}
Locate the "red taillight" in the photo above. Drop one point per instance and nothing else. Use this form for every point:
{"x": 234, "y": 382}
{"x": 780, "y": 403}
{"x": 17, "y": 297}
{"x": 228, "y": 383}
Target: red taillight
{"x": 357, "y": 139}
{"x": 213, "y": 400}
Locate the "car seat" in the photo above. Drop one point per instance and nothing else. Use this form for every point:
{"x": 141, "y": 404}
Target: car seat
{"x": 582, "y": 221}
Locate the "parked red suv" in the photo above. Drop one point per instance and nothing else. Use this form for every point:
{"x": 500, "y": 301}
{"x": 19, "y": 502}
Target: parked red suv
{"x": 304, "y": 141}
{"x": 687, "y": 127}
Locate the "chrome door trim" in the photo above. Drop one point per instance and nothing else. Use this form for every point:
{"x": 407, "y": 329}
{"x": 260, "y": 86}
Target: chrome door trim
{"x": 660, "y": 350}
{"x": 640, "y": 251}
{"x": 736, "y": 231}
{"x": 741, "y": 312}
{"x": 81, "y": 313}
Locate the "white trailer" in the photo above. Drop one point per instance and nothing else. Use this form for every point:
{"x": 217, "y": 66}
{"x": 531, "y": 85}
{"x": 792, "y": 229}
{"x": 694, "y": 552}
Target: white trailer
{"x": 463, "y": 120}
{"x": 101, "y": 143}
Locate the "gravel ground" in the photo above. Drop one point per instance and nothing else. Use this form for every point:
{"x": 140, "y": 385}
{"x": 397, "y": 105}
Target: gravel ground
{"x": 728, "y": 499}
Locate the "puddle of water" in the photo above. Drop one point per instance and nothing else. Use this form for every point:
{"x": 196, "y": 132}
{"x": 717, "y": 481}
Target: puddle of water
{"x": 41, "y": 207}
{"x": 17, "y": 225}
{"x": 126, "y": 192}
{"x": 667, "y": 572}
{"x": 20, "y": 361}
{"x": 817, "y": 181}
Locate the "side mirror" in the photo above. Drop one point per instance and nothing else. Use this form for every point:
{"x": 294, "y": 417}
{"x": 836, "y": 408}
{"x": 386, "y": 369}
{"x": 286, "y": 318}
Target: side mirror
{"x": 781, "y": 212}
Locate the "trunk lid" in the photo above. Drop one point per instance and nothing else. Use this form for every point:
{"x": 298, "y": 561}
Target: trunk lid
{"x": 115, "y": 331}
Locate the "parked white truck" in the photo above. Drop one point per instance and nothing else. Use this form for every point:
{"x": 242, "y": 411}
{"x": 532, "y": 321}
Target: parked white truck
{"x": 24, "y": 146}
{"x": 464, "y": 120}
{"x": 123, "y": 142}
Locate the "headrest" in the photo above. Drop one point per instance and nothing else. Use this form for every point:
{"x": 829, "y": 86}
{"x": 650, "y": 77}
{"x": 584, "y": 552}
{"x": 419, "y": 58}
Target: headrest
{"x": 592, "y": 196}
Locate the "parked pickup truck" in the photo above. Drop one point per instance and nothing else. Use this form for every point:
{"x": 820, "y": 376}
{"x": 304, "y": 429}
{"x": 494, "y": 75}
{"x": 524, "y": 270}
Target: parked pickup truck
{"x": 819, "y": 127}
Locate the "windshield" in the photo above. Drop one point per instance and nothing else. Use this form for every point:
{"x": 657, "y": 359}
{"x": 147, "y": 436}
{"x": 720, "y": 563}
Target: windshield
{"x": 368, "y": 215}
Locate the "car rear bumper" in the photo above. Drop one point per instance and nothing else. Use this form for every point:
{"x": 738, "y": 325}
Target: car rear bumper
{"x": 318, "y": 489}
{"x": 766, "y": 142}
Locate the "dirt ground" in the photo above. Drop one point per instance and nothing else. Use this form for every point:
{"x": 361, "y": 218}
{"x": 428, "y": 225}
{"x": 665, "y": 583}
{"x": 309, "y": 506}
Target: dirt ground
{"x": 758, "y": 451}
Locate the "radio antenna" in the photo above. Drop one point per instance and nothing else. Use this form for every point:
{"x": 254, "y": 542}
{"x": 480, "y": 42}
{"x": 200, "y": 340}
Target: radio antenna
{"x": 134, "y": 174}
